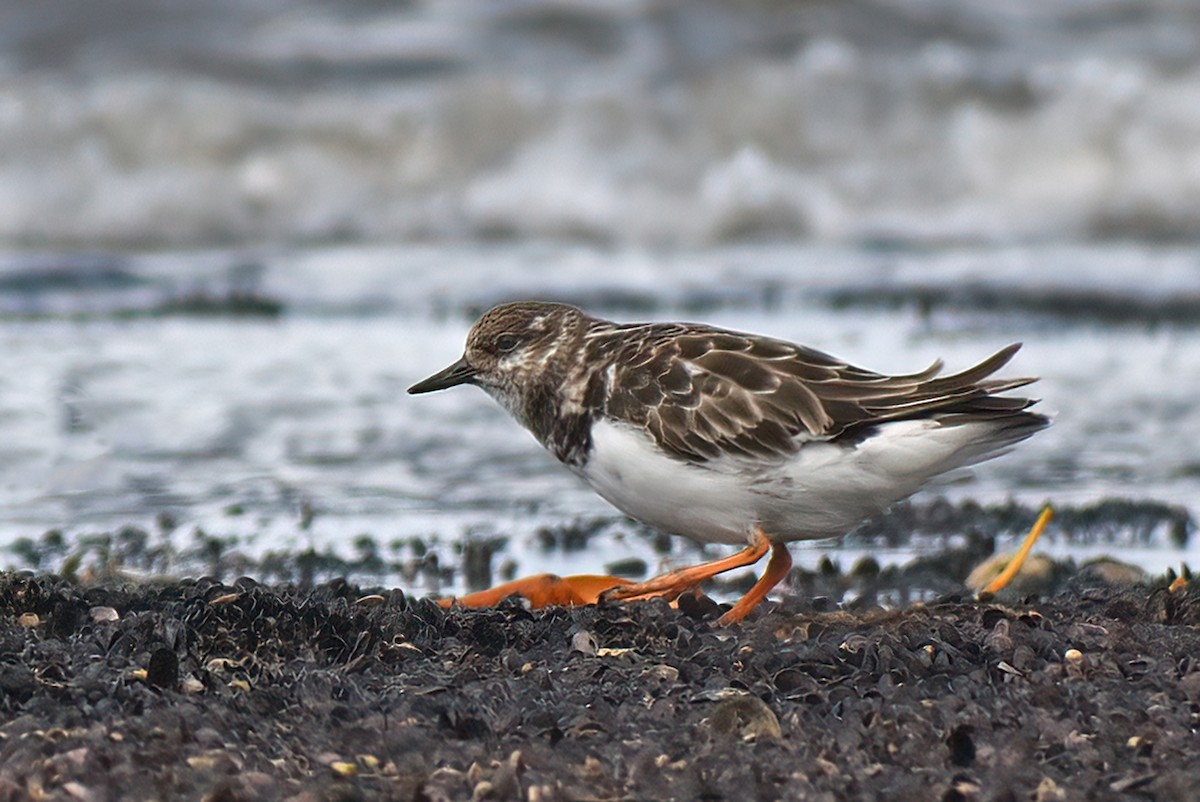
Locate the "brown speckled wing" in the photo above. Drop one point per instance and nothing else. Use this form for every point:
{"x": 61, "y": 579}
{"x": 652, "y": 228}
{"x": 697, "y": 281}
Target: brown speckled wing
{"x": 703, "y": 393}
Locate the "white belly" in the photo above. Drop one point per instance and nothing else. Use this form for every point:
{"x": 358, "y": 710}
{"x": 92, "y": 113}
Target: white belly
{"x": 629, "y": 472}
{"x": 823, "y": 491}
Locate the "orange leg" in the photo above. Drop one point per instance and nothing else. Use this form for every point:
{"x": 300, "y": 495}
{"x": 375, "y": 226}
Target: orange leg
{"x": 777, "y": 569}
{"x": 542, "y": 590}
{"x": 548, "y": 589}
{"x": 674, "y": 583}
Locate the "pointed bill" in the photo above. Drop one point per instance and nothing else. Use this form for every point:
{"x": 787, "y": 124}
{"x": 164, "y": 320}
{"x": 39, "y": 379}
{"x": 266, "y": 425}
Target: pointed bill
{"x": 458, "y": 373}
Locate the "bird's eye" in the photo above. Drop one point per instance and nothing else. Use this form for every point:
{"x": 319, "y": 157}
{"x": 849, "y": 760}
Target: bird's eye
{"x": 506, "y": 343}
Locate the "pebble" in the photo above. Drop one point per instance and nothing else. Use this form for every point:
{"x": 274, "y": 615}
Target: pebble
{"x": 102, "y": 615}
{"x": 746, "y": 717}
{"x": 584, "y": 642}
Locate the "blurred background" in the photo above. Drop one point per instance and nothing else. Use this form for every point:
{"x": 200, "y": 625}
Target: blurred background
{"x": 232, "y": 233}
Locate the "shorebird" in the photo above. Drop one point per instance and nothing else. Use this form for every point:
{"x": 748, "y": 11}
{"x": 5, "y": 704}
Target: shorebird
{"x": 727, "y": 437}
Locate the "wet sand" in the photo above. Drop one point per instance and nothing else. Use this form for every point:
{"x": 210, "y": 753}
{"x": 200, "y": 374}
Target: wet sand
{"x": 199, "y": 689}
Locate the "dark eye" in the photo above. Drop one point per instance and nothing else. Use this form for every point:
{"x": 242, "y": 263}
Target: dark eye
{"x": 506, "y": 343}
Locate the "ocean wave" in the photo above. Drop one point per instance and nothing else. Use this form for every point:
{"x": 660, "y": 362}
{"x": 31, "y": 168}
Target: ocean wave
{"x": 632, "y": 123}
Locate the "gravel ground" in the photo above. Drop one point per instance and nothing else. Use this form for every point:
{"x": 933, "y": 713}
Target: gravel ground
{"x": 197, "y": 689}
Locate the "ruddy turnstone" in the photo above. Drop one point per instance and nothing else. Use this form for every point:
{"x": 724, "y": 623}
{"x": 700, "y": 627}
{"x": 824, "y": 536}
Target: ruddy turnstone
{"x": 727, "y": 437}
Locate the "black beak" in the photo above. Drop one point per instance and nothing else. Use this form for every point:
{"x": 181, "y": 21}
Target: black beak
{"x": 458, "y": 373}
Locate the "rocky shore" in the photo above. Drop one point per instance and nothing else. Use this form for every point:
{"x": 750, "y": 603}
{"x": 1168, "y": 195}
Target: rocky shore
{"x": 203, "y": 690}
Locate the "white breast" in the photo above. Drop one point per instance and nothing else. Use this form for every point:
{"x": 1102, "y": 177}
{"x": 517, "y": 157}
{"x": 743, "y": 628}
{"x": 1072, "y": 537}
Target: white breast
{"x": 629, "y": 471}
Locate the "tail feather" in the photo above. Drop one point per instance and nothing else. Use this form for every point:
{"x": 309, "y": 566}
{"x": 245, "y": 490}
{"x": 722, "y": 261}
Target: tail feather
{"x": 964, "y": 397}
{"x": 972, "y": 377}
{"x": 1003, "y": 431}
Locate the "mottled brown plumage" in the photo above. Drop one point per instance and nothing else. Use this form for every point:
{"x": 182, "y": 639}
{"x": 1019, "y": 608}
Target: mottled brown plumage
{"x": 703, "y": 392}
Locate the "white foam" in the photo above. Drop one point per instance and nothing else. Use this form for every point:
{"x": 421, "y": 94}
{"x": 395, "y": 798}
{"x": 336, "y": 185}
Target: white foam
{"x": 472, "y": 121}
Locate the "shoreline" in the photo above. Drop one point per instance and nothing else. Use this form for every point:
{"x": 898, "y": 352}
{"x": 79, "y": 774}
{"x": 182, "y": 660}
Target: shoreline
{"x": 202, "y": 689}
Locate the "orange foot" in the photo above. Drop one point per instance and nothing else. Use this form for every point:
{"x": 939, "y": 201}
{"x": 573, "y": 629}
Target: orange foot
{"x": 548, "y": 589}
{"x": 675, "y": 583}
{"x": 543, "y": 590}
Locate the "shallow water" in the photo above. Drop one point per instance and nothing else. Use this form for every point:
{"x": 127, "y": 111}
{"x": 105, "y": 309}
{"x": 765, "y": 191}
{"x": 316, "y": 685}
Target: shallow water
{"x": 890, "y": 185}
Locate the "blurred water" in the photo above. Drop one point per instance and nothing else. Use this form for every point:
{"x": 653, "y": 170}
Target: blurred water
{"x": 891, "y": 183}
{"x": 142, "y": 122}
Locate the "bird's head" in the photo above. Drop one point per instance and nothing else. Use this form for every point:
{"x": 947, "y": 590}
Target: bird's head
{"x": 512, "y": 349}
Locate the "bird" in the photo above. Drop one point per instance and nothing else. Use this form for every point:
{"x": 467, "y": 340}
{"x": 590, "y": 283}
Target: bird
{"x": 728, "y": 437}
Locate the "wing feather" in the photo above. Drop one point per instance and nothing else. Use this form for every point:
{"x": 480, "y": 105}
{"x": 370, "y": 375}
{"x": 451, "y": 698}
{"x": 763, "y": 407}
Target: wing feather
{"x": 703, "y": 392}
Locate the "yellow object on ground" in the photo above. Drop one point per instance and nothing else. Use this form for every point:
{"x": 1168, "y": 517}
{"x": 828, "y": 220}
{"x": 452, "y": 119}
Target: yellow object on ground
{"x": 1014, "y": 565}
